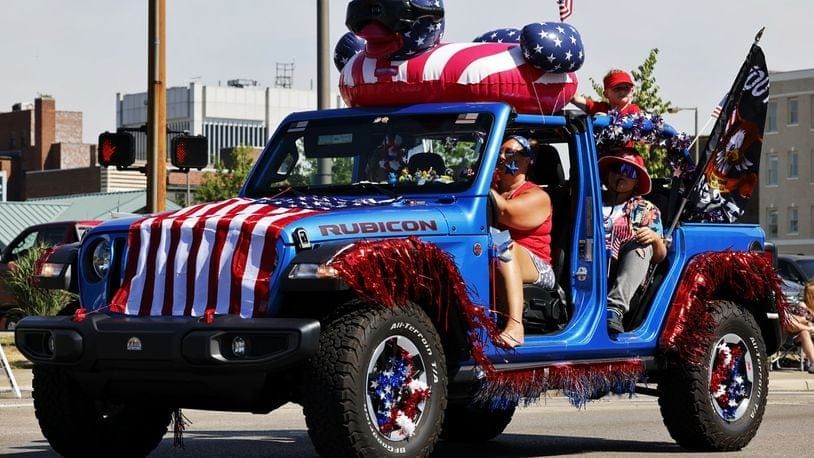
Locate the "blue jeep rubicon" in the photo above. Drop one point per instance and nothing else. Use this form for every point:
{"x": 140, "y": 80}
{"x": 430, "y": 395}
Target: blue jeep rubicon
{"x": 381, "y": 364}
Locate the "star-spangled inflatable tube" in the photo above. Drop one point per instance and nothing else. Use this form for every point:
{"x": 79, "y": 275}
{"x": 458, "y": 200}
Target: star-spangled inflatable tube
{"x": 457, "y": 72}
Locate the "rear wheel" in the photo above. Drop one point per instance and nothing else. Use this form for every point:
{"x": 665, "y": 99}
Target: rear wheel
{"x": 377, "y": 386}
{"x": 719, "y": 406}
{"x": 77, "y": 425}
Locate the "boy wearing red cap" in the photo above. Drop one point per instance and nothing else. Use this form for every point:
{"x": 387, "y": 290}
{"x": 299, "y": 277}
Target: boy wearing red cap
{"x": 633, "y": 229}
{"x": 619, "y": 92}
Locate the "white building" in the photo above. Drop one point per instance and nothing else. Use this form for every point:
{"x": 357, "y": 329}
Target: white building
{"x": 239, "y": 114}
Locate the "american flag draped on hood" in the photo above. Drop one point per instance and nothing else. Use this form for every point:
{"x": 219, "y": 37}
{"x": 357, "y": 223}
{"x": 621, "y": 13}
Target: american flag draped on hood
{"x": 217, "y": 256}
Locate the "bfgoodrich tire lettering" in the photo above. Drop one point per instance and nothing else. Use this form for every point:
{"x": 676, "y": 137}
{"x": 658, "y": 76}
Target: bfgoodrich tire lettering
{"x": 690, "y": 408}
{"x": 76, "y": 425}
{"x": 337, "y": 390}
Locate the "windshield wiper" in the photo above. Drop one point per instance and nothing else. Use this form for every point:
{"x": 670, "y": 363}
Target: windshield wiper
{"x": 377, "y": 187}
{"x": 286, "y": 190}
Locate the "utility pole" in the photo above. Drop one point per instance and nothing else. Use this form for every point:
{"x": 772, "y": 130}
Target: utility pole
{"x": 156, "y": 108}
{"x": 323, "y": 81}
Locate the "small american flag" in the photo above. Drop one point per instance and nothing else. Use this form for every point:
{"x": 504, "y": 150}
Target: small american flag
{"x": 566, "y": 8}
{"x": 716, "y": 113}
{"x": 621, "y": 233}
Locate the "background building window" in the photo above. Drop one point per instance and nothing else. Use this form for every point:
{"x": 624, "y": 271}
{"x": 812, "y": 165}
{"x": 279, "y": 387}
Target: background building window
{"x": 771, "y": 117}
{"x": 771, "y": 173}
{"x": 771, "y": 222}
{"x": 793, "y": 169}
{"x": 811, "y": 166}
{"x": 794, "y": 112}
{"x": 793, "y": 222}
{"x": 811, "y": 222}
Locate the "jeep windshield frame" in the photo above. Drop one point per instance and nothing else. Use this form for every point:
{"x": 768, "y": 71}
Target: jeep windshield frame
{"x": 389, "y": 152}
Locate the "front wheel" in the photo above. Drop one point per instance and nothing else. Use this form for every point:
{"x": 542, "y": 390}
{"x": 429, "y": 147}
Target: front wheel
{"x": 472, "y": 423}
{"x": 719, "y": 406}
{"x": 77, "y": 425}
{"x": 377, "y": 386}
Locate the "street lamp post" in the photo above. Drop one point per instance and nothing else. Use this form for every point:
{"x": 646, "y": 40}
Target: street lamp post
{"x": 695, "y": 132}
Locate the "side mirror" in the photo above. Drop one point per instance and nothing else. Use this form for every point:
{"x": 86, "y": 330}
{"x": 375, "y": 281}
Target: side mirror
{"x": 116, "y": 149}
{"x": 190, "y": 152}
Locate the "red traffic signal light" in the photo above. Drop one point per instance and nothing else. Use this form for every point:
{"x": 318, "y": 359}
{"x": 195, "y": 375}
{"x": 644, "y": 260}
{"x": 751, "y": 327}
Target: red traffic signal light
{"x": 117, "y": 149}
{"x": 190, "y": 152}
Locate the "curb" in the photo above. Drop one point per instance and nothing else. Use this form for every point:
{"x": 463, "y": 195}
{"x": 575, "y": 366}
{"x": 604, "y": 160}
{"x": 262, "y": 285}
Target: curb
{"x": 791, "y": 385}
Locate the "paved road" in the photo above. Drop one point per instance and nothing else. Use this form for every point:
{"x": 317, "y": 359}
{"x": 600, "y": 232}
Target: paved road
{"x": 607, "y": 427}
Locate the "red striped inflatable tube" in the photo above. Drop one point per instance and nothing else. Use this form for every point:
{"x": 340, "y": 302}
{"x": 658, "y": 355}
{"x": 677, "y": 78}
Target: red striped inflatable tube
{"x": 457, "y": 72}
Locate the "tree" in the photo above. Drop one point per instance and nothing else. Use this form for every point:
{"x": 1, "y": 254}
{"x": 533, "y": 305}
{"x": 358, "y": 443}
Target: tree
{"x": 225, "y": 182}
{"x": 647, "y": 97}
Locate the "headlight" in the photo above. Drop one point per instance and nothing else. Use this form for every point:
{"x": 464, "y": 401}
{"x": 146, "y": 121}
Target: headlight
{"x": 50, "y": 269}
{"x": 793, "y": 297}
{"x": 311, "y": 271}
{"x": 100, "y": 258}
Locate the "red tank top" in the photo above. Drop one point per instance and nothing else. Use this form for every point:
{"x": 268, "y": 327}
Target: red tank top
{"x": 537, "y": 240}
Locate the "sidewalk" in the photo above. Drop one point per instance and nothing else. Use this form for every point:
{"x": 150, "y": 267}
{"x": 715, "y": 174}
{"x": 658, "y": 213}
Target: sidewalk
{"x": 779, "y": 380}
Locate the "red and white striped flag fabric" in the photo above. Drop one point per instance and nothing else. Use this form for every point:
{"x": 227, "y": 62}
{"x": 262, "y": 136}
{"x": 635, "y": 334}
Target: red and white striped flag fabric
{"x": 566, "y": 9}
{"x": 621, "y": 233}
{"x": 456, "y": 72}
{"x": 217, "y": 256}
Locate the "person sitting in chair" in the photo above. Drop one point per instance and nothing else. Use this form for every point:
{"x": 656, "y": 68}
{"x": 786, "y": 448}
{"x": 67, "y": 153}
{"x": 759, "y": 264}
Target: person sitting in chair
{"x": 633, "y": 229}
{"x": 525, "y": 211}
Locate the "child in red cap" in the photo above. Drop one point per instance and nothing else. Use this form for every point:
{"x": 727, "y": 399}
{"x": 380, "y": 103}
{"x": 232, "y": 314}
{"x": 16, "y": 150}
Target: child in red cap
{"x": 619, "y": 92}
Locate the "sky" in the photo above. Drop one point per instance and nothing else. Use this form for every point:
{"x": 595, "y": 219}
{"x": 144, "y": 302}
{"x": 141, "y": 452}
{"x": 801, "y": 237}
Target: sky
{"x": 82, "y": 52}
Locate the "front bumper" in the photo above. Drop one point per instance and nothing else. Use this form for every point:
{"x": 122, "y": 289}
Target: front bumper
{"x": 181, "y": 360}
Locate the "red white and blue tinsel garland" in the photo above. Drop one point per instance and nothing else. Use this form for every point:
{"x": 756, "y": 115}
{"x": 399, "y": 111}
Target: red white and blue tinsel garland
{"x": 396, "y": 396}
{"x": 394, "y": 272}
{"x": 729, "y": 383}
{"x": 746, "y": 278}
{"x": 648, "y": 129}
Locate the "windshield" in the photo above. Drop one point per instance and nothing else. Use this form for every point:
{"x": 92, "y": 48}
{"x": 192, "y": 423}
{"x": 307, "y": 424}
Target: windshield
{"x": 403, "y": 154}
{"x": 808, "y": 267}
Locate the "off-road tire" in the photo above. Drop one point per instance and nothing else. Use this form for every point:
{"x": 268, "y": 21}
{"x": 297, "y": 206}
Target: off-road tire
{"x": 12, "y": 319}
{"x": 687, "y": 406}
{"x": 473, "y": 423}
{"x": 335, "y": 388}
{"x": 77, "y": 425}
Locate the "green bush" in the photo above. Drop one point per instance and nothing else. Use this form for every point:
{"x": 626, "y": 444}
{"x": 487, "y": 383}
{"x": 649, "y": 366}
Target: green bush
{"x": 30, "y": 299}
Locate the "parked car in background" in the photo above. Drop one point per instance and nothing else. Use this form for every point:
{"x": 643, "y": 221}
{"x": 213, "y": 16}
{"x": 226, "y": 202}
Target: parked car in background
{"x": 49, "y": 234}
{"x": 796, "y": 268}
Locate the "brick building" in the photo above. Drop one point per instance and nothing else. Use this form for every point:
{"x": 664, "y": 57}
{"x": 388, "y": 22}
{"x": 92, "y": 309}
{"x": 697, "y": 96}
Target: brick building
{"x": 38, "y": 140}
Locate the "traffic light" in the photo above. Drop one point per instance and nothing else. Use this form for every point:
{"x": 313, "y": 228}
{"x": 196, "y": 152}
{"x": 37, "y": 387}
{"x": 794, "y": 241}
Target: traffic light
{"x": 117, "y": 149}
{"x": 190, "y": 152}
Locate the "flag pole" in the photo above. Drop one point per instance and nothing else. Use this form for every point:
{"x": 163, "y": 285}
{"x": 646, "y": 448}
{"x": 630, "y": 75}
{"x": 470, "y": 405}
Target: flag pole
{"x": 729, "y": 102}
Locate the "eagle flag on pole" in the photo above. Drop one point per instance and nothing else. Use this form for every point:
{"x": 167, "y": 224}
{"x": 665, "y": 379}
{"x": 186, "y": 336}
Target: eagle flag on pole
{"x": 731, "y": 157}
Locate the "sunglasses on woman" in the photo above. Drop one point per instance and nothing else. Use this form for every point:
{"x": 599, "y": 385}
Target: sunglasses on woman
{"x": 626, "y": 170}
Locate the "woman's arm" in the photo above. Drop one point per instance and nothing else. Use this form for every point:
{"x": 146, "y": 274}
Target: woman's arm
{"x": 525, "y": 211}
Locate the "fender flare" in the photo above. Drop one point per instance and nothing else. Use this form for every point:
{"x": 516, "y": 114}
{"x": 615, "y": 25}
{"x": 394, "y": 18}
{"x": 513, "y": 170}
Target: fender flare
{"x": 745, "y": 278}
